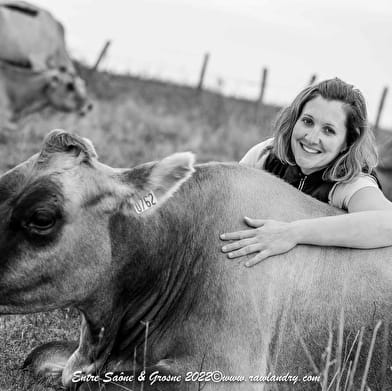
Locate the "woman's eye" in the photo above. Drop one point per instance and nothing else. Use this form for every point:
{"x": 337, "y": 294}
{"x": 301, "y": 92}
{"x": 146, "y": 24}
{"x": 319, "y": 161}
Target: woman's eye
{"x": 307, "y": 121}
{"x": 41, "y": 220}
{"x": 329, "y": 130}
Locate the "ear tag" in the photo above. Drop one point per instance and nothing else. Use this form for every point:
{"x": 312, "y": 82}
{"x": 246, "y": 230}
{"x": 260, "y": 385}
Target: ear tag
{"x": 145, "y": 203}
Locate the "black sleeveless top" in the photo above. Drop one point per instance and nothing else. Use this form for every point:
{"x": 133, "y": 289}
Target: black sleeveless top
{"x": 312, "y": 184}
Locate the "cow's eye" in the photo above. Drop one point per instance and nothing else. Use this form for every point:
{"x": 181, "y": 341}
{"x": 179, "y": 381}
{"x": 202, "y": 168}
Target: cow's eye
{"x": 41, "y": 220}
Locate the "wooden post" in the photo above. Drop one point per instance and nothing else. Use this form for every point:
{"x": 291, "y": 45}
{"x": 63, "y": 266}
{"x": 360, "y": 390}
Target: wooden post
{"x": 263, "y": 86}
{"x": 380, "y": 107}
{"x": 101, "y": 56}
{"x": 203, "y": 71}
{"x": 260, "y": 100}
{"x": 312, "y": 79}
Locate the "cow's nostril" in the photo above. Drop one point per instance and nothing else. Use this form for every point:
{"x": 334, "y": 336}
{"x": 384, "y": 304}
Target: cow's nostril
{"x": 70, "y": 87}
{"x": 85, "y": 109}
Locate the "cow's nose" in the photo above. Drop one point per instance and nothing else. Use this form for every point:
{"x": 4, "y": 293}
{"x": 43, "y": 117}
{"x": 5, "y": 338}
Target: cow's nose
{"x": 85, "y": 109}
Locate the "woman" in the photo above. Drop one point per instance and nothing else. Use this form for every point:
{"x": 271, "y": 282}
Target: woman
{"x": 324, "y": 147}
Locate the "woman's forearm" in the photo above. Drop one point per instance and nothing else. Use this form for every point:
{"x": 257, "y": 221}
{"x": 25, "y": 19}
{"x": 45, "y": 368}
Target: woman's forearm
{"x": 370, "y": 229}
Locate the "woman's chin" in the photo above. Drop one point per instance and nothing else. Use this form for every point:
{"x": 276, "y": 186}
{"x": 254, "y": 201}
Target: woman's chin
{"x": 307, "y": 167}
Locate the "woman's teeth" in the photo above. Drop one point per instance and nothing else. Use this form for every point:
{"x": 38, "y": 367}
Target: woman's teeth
{"x": 309, "y": 150}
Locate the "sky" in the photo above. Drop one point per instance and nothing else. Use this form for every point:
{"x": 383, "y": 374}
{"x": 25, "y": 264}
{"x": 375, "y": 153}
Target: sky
{"x": 349, "y": 39}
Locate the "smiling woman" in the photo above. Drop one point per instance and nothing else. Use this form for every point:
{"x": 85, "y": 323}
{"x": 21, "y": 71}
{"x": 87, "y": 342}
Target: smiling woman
{"x": 325, "y": 121}
{"x": 323, "y": 146}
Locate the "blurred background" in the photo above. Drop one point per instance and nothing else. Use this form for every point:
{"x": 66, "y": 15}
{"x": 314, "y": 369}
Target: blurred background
{"x": 167, "y": 39}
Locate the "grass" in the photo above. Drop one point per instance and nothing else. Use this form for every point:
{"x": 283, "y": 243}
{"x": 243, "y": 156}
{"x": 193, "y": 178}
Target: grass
{"x": 20, "y": 334}
{"x": 341, "y": 370}
{"x": 133, "y": 121}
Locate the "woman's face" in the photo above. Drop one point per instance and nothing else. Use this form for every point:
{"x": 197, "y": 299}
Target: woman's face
{"x": 319, "y": 134}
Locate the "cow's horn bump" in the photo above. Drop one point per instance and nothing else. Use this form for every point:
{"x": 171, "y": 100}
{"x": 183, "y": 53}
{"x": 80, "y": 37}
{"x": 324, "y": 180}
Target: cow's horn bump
{"x": 59, "y": 140}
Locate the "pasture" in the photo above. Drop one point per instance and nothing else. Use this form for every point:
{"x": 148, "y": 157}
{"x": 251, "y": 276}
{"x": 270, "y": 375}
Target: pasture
{"x": 133, "y": 121}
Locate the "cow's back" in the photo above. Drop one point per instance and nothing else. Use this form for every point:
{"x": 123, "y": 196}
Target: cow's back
{"x": 273, "y": 308}
{"x": 31, "y": 37}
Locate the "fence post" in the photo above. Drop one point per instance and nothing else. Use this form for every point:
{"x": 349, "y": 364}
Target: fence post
{"x": 380, "y": 108}
{"x": 102, "y": 54}
{"x": 312, "y": 79}
{"x": 263, "y": 85}
{"x": 203, "y": 71}
{"x": 260, "y": 100}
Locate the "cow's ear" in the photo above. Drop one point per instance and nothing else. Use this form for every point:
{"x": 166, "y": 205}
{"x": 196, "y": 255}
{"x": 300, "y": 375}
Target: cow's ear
{"x": 152, "y": 184}
{"x": 60, "y": 141}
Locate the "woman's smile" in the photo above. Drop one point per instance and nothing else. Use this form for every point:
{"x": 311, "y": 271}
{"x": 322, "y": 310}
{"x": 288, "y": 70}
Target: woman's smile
{"x": 309, "y": 149}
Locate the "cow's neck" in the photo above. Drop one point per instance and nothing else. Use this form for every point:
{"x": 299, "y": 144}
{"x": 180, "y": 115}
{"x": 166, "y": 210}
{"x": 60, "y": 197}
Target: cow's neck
{"x": 165, "y": 265}
{"x": 25, "y": 90}
{"x": 159, "y": 270}
{"x": 115, "y": 317}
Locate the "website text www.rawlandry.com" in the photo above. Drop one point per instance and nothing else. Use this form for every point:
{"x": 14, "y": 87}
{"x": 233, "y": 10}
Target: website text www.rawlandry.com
{"x": 202, "y": 376}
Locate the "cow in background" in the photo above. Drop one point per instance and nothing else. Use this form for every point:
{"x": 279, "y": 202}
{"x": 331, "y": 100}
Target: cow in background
{"x": 384, "y": 167}
{"x": 131, "y": 247}
{"x": 35, "y": 68}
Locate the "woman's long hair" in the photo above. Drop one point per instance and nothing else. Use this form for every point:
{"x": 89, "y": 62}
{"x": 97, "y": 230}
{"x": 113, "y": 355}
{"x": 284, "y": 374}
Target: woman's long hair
{"x": 360, "y": 154}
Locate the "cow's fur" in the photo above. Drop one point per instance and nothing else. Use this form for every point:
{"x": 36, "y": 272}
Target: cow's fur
{"x": 164, "y": 267}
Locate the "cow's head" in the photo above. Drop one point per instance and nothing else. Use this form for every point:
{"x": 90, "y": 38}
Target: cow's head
{"x": 66, "y": 91}
{"x": 55, "y": 208}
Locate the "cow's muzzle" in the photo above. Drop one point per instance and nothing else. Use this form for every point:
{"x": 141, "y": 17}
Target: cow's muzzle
{"x": 87, "y": 107}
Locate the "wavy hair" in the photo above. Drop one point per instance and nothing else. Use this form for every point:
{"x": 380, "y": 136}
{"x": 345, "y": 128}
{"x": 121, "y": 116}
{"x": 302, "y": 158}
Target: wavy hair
{"x": 360, "y": 154}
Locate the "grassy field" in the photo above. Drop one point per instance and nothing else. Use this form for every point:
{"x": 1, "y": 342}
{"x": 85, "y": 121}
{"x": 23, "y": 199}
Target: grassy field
{"x": 133, "y": 121}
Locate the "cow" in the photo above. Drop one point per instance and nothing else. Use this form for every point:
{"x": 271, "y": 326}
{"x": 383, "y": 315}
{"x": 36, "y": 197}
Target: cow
{"x": 384, "y": 168}
{"x": 53, "y": 87}
{"x": 35, "y": 68}
{"x": 137, "y": 251}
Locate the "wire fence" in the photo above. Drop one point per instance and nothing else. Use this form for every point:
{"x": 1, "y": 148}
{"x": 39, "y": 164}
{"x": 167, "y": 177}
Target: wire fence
{"x": 200, "y": 74}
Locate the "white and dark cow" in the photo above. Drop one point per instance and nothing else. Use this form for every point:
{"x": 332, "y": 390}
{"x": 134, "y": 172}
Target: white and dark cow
{"x": 131, "y": 247}
{"x": 35, "y": 68}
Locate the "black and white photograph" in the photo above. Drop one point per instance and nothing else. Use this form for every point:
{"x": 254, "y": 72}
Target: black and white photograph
{"x": 195, "y": 195}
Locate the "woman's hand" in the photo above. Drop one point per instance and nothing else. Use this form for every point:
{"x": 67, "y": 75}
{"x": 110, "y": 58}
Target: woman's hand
{"x": 269, "y": 237}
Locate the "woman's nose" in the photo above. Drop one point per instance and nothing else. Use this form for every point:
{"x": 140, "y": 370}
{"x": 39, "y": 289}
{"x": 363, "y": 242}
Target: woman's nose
{"x": 313, "y": 136}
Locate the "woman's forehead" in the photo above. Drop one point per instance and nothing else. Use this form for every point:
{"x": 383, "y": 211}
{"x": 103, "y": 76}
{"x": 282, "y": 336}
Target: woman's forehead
{"x": 326, "y": 111}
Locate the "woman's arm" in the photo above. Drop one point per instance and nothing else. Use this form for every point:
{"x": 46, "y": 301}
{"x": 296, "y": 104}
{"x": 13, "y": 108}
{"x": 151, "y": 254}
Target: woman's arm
{"x": 367, "y": 225}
